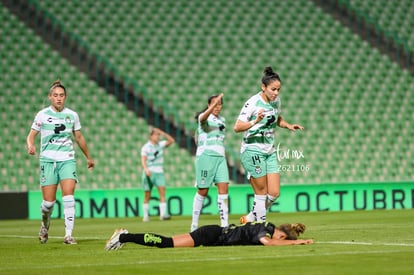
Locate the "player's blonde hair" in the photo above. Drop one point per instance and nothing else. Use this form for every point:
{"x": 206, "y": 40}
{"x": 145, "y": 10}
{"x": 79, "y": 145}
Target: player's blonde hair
{"x": 292, "y": 230}
{"x": 56, "y": 84}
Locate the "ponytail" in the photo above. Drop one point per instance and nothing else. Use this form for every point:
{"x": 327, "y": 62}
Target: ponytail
{"x": 269, "y": 76}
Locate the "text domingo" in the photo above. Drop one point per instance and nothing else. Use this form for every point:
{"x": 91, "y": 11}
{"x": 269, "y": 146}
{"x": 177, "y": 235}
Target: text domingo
{"x": 128, "y": 207}
{"x": 305, "y": 199}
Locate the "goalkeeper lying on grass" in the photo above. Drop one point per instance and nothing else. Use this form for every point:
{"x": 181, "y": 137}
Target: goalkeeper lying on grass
{"x": 251, "y": 233}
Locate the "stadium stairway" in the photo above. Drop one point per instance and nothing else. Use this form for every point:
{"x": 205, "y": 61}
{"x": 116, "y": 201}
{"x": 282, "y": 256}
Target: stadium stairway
{"x": 113, "y": 133}
{"x": 342, "y": 90}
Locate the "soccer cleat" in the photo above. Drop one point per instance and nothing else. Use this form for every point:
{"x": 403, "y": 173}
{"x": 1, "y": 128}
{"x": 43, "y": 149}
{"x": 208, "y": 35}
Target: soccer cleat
{"x": 244, "y": 219}
{"x": 113, "y": 243}
{"x": 69, "y": 240}
{"x": 43, "y": 234}
{"x": 146, "y": 219}
{"x": 165, "y": 218}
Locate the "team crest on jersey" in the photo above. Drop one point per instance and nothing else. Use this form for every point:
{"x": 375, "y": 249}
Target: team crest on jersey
{"x": 68, "y": 120}
{"x": 258, "y": 170}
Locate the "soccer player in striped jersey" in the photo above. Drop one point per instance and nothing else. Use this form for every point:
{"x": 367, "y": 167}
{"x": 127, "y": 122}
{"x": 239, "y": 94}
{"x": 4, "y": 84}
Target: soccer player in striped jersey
{"x": 152, "y": 159}
{"x": 251, "y": 233}
{"x": 57, "y": 124}
{"x": 258, "y": 119}
{"x": 210, "y": 164}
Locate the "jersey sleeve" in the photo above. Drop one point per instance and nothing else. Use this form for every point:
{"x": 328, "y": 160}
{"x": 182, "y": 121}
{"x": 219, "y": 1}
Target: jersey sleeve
{"x": 77, "y": 125}
{"x": 267, "y": 230}
{"x": 37, "y": 122}
{"x": 163, "y": 143}
{"x": 144, "y": 150}
{"x": 246, "y": 111}
{"x": 198, "y": 120}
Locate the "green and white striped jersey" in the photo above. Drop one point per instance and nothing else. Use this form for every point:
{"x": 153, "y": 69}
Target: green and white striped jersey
{"x": 56, "y": 130}
{"x": 155, "y": 155}
{"x": 211, "y": 134}
{"x": 261, "y": 136}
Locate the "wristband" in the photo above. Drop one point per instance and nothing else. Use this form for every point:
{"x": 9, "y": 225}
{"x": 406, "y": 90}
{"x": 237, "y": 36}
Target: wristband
{"x": 252, "y": 123}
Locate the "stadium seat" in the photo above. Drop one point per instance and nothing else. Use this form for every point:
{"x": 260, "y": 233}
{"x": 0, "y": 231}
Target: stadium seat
{"x": 181, "y": 53}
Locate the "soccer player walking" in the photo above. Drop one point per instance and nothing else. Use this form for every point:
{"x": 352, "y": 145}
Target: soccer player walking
{"x": 56, "y": 125}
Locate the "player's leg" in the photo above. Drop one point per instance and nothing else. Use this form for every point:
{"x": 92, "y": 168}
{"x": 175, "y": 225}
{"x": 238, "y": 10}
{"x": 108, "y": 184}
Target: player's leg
{"x": 163, "y": 204}
{"x": 206, "y": 235}
{"x": 145, "y": 205}
{"x": 67, "y": 174}
{"x": 273, "y": 180}
{"x": 260, "y": 194}
{"x": 46, "y": 209}
{"x": 48, "y": 183}
{"x": 159, "y": 181}
{"x": 184, "y": 240}
{"x": 147, "y": 239}
{"x": 147, "y": 186}
{"x": 222, "y": 179}
{"x": 222, "y": 203}
{"x": 68, "y": 200}
{"x": 198, "y": 201}
{"x": 273, "y": 189}
{"x": 254, "y": 163}
{"x": 204, "y": 168}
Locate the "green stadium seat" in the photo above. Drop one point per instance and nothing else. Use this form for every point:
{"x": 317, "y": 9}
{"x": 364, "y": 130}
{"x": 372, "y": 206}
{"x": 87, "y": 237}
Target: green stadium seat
{"x": 174, "y": 51}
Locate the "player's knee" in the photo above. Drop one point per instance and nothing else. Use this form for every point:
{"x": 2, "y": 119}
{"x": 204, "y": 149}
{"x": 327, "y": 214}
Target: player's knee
{"x": 273, "y": 195}
{"x": 47, "y": 206}
{"x": 68, "y": 201}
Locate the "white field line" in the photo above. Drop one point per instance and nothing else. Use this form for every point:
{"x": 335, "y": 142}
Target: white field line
{"x": 367, "y": 243}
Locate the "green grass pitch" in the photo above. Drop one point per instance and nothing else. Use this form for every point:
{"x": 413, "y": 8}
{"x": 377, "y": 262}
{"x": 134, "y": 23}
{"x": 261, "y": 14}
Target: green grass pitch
{"x": 366, "y": 242}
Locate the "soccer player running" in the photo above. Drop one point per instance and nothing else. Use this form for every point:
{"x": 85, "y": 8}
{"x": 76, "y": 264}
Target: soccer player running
{"x": 258, "y": 119}
{"x": 152, "y": 160}
{"x": 56, "y": 125}
{"x": 256, "y": 233}
{"x": 210, "y": 164}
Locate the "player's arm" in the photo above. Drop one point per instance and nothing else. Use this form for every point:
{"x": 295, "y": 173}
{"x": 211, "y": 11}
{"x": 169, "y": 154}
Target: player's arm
{"x": 284, "y": 124}
{"x": 275, "y": 242}
{"x": 209, "y": 110}
{"x": 80, "y": 140}
{"x": 169, "y": 138}
{"x": 241, "y": 126}
{"x": 144, "y": 165}
{"x": 30, "y": 141}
